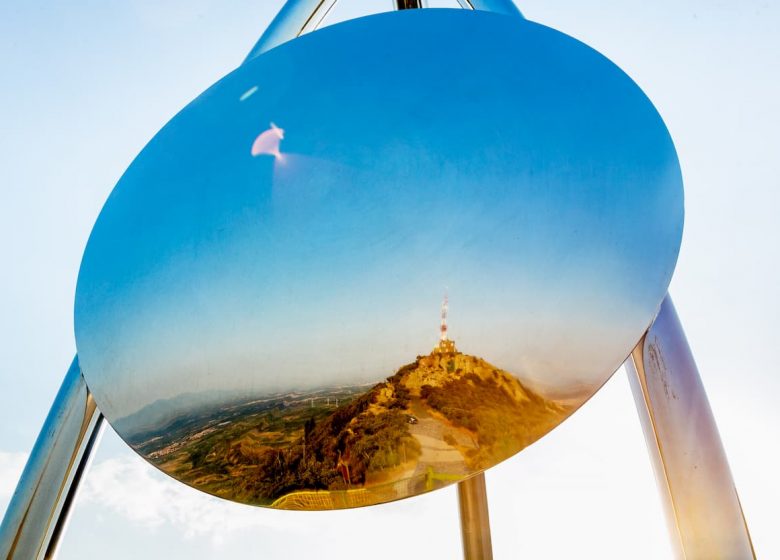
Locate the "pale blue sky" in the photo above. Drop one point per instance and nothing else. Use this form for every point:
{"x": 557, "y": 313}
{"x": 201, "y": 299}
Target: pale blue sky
{"x": 85, "y": 86}
{"x": 515, "y": 183}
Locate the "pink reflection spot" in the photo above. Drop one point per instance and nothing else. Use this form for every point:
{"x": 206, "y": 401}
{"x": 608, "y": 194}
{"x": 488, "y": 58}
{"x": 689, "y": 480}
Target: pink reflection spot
{"x": 268, "y": 142}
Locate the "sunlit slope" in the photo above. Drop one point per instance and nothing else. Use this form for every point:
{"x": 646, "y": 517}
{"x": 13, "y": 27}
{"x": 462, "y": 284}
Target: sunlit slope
{"x": 436, "y": 420}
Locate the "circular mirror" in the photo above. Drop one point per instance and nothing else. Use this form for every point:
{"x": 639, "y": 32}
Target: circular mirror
{"x": 259, "y": 309}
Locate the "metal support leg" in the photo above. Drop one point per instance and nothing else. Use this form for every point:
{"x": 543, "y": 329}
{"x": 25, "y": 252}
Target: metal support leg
{"x": 39, "y": 508}
{"x": 408, "y": 4}
{"x": 506, "y": 7}
{"x": 474, "y": 519}
{"x": 296, "y": 18}
{"x": 703, "y": 511}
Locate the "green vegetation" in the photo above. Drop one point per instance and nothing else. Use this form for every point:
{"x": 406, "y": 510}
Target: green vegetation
{"x": 335, "y": 452}
{"x": 282, "y": 449}
{"x": 261, "y": 450}
{"x": 501, "y": 423}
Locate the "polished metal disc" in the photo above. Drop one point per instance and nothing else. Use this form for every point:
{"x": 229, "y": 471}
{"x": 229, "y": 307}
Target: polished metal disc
{"x": 259, "y": 310}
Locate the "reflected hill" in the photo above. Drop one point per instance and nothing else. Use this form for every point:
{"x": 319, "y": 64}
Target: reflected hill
{"x": 435, "y": 421}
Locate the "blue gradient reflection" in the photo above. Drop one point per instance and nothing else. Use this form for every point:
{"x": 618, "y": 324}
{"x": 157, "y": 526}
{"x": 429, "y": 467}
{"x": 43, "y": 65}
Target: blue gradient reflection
{"x": 507, "y": 162}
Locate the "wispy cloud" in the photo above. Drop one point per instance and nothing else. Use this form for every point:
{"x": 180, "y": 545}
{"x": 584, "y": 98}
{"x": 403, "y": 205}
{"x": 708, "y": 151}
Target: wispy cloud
{"x": 131, "y": 488}
{"x": 11, "y": 465}
{"x": 124, "y": 490}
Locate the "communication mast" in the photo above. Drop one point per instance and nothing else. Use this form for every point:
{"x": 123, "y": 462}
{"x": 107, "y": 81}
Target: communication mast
{"x": 443, "y": 328}
{"x": 445, "y": 346}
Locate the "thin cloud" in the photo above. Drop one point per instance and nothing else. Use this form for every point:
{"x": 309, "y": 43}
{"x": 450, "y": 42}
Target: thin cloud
{"x": 128, "y": 488}
{"x": 11, "y": 466}
{"x": 134, "y": 490}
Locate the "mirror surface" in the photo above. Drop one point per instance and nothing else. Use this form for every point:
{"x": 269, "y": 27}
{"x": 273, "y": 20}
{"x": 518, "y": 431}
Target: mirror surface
{"x": 260, "y": 311}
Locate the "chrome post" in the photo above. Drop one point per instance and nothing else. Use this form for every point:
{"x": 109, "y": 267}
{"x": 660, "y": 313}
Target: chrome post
{"x": 703, "y": 512}
{"x": 296, "y": 18}
{"x": 474, "y": 519}
{"x": 39, "y": 508}
{"x": 408, "y": 4}
{"x": 506, "y": 7}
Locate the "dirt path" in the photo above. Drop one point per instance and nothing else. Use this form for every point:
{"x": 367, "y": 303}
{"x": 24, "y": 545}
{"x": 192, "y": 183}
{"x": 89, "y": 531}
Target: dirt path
{"x": 435, "y": 452}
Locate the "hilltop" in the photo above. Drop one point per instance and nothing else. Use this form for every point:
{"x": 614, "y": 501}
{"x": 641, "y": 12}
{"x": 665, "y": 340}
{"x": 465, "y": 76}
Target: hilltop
{"x": 433, "y": 422}
{"x": 446, "y": 411}
{"x": 499, "y": 414}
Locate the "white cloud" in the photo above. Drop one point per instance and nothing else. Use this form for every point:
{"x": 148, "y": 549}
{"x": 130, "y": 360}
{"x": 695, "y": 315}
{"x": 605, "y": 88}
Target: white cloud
{"x": 131, "y": 488}
{"x": 11, "y": 465}
{"x": 122, "y": 490}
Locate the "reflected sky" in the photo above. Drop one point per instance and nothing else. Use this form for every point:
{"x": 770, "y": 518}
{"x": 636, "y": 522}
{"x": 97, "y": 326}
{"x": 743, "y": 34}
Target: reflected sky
{"x": 541, "y": 188}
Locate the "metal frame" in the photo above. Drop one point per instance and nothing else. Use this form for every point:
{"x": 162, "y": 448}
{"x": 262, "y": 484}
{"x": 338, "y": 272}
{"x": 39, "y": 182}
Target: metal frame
{"x": 39, "y": 509}
{"x": 298, "y": 17}
{"x": 475, "y": 518}
{"x": 703, "y": 510}
{"x": 409, "y": 4}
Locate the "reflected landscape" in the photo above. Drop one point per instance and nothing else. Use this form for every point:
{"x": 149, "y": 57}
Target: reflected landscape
{"x": 256, "y": 307}
{"x": 435, "y": 421}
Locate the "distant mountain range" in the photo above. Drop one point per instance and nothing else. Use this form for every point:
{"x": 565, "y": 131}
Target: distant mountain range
{"x": 164, "y": 411}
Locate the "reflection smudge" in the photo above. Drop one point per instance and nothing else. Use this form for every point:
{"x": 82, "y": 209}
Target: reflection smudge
{"x": 267, "y": 142}
{"x": 248, "y": 93}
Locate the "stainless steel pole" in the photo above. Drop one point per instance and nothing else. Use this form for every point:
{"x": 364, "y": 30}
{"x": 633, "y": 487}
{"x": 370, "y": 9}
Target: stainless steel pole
{"x": 39, "y": 508}
{"x": 506, "y": 7}
{"x": 474, "y": 519}
{"x": 408, "y": 4}
{"x": 296, "y": 18}
{"x": 704, "y": 515}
